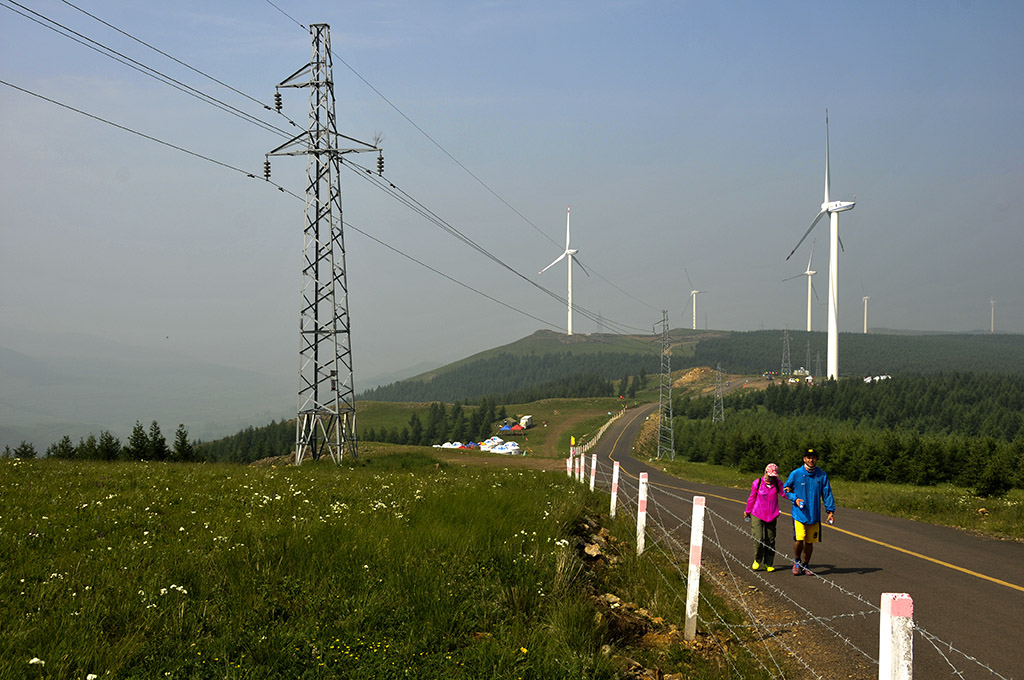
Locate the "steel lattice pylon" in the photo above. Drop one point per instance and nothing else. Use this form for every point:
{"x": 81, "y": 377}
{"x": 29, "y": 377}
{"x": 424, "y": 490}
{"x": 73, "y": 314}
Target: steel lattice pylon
{"x": 666, "y": 435}
{"x": 718, "y": 414}
{"x": 326, "y": 419}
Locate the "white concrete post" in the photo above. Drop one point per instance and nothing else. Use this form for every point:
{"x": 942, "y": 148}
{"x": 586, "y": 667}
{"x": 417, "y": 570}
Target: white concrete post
{"x": 593, "y": 470}
{"x": 896, "y": 637}
{"x": 568, "y": 466}
{"x": 583, "y": 465}
{"x": 615, "y": 487}
{"x": 641, "y": 514}
{"x": 693, "y": 575}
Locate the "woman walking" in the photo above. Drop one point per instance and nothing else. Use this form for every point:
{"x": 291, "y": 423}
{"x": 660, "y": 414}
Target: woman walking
{"x": 763, "y": 513}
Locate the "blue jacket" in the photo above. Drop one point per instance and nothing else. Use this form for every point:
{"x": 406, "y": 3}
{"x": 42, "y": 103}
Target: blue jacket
{"x": 813, "y": 488}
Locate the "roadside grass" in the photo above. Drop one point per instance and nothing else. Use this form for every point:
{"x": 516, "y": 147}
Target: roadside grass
{"x": 945, "y": 504}
{"x": 397, "y": 566}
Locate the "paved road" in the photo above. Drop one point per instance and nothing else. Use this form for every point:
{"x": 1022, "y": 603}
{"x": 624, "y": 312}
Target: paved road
{"x": 968, "y": 590}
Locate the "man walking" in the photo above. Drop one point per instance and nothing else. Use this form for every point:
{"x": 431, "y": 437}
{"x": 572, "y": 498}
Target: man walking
{"x": 808, "y": 487}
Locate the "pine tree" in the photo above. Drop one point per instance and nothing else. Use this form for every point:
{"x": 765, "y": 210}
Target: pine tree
{"x": 24, "y": 450}
{"x": 108, "y": 447}
{"x": 183, "y": 449}
{"x": 62, "y": 449}
{"x": 157, "y": 443}
{"x": 137, "y": 447}
{"x": 87, "y": 448}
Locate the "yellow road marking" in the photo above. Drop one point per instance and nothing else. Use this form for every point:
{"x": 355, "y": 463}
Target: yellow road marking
{"x": 954, "y": 567}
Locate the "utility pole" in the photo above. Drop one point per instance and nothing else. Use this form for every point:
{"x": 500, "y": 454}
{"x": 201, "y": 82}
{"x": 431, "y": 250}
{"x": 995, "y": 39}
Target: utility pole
{"x": 326, "y": 418}
{"x": 666, "y": 435}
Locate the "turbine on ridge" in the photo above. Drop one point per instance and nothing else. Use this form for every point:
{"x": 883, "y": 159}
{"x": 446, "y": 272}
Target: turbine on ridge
{"x": 568, "y": 253}
{"x": 810, "y": 285}
{"x": 832, "y": 209}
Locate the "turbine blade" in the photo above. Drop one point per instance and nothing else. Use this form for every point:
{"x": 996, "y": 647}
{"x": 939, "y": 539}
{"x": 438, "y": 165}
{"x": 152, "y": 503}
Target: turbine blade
{"x": 791, "y": 278}
{"x": 802, "y": 238}
{"x": 688, "y": 278}
{"x": 841, "y": 246}
{"x": 577, "y": 261}
{"x": 813, "y": 288}
{"x": 567, "y": 228}
{"x": 560, "y": 258}
{"x": 828, "y": 184}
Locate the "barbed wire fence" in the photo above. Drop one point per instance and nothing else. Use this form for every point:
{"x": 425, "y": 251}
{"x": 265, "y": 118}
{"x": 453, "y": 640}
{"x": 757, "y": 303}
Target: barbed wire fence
{"x": 664, "y": 528}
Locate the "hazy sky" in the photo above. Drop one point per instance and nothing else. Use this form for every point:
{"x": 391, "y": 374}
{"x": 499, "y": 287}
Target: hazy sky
{"x": 682, "y": 134}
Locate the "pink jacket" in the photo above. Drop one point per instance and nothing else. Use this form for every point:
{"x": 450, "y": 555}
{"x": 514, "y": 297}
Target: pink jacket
{"x": 763, "y": 502}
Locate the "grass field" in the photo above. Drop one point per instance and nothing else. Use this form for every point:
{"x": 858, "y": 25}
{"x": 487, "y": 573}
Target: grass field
{"x": 395, "y": 567}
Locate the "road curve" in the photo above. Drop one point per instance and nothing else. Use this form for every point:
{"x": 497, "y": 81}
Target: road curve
{"x": 968, "y": 590}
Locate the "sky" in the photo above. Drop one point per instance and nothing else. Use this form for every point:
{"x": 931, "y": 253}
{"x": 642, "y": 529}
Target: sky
{"x": 687, "y": 137}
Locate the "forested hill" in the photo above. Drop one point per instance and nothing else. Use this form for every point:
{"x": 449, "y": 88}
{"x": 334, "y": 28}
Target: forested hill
{"x": 509, "y": 373}
{"x": 865, "y": 354}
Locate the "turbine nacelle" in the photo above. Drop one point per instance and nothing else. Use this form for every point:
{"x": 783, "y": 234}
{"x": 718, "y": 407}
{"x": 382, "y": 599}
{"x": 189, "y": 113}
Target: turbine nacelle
{"x": 837, "y": 206}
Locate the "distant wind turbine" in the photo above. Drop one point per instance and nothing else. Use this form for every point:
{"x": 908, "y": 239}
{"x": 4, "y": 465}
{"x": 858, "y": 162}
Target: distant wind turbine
{"x": 568, "y": 253}
{"x": 810, "y": 286}
{"x": 992, "y": 328}
{"x": 693, "y": 298}
{"x": 866, "y": 298}
{"x": 832, "y": 209}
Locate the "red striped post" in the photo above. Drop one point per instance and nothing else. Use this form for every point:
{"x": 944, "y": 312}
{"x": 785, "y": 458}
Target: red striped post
{"x": 593, "y": 470}
{"x": 896, "y": 637}
{"x": 641, "y": 514}
{"x": 568, "y": 466}
{"x": 583, "y": 464}
{"x": 615, "y": 487}
{"x": 693, "y": 575}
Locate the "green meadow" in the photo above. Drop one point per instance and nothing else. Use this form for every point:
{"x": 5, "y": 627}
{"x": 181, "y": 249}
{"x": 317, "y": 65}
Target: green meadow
{"x": 395, "y": 566}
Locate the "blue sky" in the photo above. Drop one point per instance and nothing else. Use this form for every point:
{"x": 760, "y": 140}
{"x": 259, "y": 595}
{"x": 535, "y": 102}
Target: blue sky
{"x": 683, "y": 134}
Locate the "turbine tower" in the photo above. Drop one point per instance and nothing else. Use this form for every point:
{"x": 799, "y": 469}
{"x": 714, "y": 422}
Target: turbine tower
{"x": 326, "y": 420}
{"x": 809, "y": 273}
{"x": 568, "y": 253}
{"x": 832, "y": 209}
{"x": 992, "y": 327}
{"x": 866, "y": 298}
{"x": 693, "y": 298}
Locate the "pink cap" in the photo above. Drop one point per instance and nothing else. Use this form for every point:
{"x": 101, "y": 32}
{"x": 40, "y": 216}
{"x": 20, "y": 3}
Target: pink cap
{"x": 771, "y": 470}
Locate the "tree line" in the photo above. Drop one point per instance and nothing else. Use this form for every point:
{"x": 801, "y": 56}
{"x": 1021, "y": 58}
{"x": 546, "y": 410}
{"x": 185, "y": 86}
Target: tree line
{"x": 141, "y": 445}
{"x": 958, "y": 428}
{"x": 509, "y": 374}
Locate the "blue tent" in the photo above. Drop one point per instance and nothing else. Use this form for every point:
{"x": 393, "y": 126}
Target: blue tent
{"x": 504, "y": 428}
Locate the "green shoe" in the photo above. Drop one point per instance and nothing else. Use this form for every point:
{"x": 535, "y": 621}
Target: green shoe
{"x": 755, "y": 566}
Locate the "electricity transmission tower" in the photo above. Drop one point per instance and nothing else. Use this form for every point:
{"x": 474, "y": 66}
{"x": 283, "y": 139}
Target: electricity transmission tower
{"x": 666, "y": 436}
{"x": 718, "y": 415}
{"x": 787, "y": 365}
{"x": 326, "y": 421}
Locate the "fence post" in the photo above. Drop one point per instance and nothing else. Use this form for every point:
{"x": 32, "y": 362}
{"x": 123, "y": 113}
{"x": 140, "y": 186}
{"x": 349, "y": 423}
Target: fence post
{"x": 593, "y": 469}
{"x": 615, "y": 487}
{"x": 568, "y": 466}
{"x": 896, "y": 637}
{"x": 583, "y": 464}
{"x": 641, "y": 513}
{"x": 693, "y": 574}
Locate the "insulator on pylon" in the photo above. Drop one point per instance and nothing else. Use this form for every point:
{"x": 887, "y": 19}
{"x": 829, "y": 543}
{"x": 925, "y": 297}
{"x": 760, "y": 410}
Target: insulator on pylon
{"x": 380, "y": 163}
{"x": 277, "y": 101}
{"x": 266, "y": 169}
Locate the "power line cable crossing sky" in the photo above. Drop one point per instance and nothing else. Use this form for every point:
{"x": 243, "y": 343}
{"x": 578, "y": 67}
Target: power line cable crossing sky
{"x": 699, "y": 139}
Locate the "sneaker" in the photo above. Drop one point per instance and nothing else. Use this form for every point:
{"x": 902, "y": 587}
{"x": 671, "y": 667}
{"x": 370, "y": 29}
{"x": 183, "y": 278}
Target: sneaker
{"x": 797, "y": 569}
{"x": 755, "y": 566}
{"x": 806, "y": 570}
{"x": 769, "y": 568}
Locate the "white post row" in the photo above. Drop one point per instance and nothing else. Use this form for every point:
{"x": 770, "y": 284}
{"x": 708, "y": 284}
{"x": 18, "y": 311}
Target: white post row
{"x": 641, "y": 514}
{"x": 583, "y": 465}
{"x": 615, "y": 487}
{"x": 568, "y": 466}
{"x": 593, "y": 469}
{"x": 693, "y": 574}
{"x": 896, "y": 637}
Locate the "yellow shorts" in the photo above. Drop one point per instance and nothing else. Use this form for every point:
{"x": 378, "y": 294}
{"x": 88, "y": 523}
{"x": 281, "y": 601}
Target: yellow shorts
{"x": 808, "y": 533}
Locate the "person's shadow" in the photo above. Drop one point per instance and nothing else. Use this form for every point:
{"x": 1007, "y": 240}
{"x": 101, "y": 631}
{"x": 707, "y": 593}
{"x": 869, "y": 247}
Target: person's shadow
{"x": 826, "y": 569}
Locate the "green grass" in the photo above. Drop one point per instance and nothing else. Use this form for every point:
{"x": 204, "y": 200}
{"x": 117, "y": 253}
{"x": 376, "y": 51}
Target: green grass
{"x": 944, "y": 504}
{"x": 395, "y": 567}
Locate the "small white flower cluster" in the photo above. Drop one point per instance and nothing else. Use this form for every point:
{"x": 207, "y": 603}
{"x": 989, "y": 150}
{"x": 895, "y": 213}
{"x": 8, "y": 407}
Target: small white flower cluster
{"x": 180, "y": 589}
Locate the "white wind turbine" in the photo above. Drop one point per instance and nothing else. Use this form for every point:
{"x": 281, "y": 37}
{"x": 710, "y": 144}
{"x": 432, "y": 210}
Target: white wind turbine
{"x": 810, "y": 286}
{"x": 866, "y": 298}
{"x": 832, "y": 209}
{"x": 569, "y": 252}
{"x": 693, "y": 297}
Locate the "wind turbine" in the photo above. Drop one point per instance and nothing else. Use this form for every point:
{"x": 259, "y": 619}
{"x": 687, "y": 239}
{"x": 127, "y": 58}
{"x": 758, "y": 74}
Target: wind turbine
{"x": 569, "y": 252}
{"x": 810, "y": 286}
{"x": 693, "y": 298}
{"x": 832, "y": 209}
{"x": 866, "y": 298}
{"x": 992, "y": 327}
